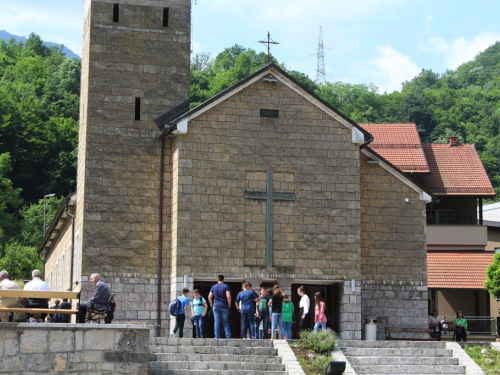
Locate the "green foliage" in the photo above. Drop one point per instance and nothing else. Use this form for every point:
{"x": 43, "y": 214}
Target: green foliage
{"x": 489, "y": 361}
{"x": 20, "y": 260}
{"x": 10, "y": 201}
{"x": 39, "y": 108}
{"x": 32, "y": 224}
{"x": 322, "y": 342}
{"x": 492, "y": 284}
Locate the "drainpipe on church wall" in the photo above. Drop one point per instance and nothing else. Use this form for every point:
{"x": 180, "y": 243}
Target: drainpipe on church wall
{"x": 160, "y": 236}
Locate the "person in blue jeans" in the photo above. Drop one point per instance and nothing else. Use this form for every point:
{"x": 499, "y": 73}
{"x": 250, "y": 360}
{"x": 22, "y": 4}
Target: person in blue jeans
{"x": 220, "y": 299}
{"x": 247, "y": 298}
{"x": 262, "y": 314}
{"x": 199, "y": 309}
{"x": 181, "y": 316}
{"x": 276, "y": 304}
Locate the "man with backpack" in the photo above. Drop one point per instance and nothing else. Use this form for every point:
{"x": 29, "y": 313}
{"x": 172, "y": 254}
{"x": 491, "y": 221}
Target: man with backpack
{"x": 180, "y": 318}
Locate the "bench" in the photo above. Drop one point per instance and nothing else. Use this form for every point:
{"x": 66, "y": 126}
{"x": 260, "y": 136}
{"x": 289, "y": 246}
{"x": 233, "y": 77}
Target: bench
{"x": 13, "y": 293}
{"x": 389, "y": 330}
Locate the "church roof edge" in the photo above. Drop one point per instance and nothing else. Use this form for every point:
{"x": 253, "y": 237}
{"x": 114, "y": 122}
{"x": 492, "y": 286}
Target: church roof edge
{"x": 169, "y": 127}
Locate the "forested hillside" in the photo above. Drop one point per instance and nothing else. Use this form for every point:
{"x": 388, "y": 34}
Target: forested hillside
{"x": 39, "y": 104}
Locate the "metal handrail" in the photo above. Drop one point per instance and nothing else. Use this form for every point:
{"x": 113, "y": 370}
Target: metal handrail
{"x": 477, "y": 324}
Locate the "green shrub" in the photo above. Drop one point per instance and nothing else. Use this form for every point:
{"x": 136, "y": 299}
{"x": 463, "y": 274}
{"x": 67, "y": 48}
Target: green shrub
{"x": 322, "y": 342}
{"x": 322, "y": 362}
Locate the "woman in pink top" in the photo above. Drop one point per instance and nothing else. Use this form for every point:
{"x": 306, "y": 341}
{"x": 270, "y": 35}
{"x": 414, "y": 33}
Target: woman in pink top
{"x": 319, "y": 312}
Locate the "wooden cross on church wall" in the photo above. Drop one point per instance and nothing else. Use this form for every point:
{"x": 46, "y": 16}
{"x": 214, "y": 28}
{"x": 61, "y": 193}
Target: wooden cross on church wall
{"x": 269, "y": 197}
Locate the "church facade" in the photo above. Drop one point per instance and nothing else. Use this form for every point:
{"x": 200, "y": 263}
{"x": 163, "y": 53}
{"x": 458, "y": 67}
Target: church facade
{"x": 264, "y": 183}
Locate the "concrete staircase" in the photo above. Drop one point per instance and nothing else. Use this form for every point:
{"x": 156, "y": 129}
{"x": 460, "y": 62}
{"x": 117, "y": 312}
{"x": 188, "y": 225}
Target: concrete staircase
{"x": 400, "y": 357}
{"x": 174, "y": 356}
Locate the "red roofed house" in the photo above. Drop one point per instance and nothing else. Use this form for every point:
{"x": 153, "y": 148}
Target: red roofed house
{"x": 456, "y": 237}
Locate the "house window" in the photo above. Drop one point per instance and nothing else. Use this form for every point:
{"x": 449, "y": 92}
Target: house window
{"x": 116, "y": 12}
{"x": 57, "y": 276}
{"x": 269, "y": 113}
{"x": 165, "y": 17}
{"x": 137, "y": 109}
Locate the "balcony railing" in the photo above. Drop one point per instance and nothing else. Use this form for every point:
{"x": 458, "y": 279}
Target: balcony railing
{"x": 477, "y": 325}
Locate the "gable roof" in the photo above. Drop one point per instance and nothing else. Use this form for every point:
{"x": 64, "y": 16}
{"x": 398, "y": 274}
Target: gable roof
{"x": 468, "y": 269}
{"x": 361, "y": 134}
{"x": 399, "y": 143}
{"x": 455, "y": 171}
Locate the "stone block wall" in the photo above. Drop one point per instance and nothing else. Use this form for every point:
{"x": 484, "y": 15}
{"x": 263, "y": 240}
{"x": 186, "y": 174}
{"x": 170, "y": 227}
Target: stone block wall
{"x": 227, "y": 151}
{"x": 394, "y": 253}
{"x": 67, "y": 348}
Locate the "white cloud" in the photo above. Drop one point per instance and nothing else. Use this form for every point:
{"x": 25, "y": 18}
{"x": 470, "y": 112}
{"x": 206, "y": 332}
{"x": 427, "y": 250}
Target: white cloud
{"x": 389, "y": 69}
{"x": 460, "y": 50}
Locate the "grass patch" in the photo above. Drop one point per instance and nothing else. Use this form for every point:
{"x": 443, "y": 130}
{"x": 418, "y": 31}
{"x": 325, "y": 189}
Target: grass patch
{"x": 489, "y": 361}
{"x": 313, "y": 350}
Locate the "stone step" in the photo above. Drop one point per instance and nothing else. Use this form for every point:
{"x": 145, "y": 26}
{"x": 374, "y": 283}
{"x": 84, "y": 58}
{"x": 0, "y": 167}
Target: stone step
{"x": 392, "y": 344}
{"x": 210, "y": 342}
{"x": 213, "y": 372}
{"x": 376, "y": 360}
{"x": 179, "y": 357}
{"x": 396, "y": 352}
{"x": 233, "y": 350}
{"x": 219, "y": 366}
{"x": 402, "y": 369}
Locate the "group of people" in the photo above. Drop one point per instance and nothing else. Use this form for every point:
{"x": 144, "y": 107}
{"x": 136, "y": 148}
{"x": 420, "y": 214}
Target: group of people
{"x": 256, "y": 311}
{"x": 438, "y": 326}
{"x": 100, "y": 300}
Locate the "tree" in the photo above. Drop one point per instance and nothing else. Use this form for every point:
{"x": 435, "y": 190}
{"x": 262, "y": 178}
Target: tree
{"x": 32, "y": 224}
{"x": 10, "y": 201}
{"x": 492, "y": 284}
{"x": 20, "y": 260}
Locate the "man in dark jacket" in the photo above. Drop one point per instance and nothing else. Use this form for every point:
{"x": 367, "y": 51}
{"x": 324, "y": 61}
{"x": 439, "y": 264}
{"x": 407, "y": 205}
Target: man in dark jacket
{"x": 99, "y": 300}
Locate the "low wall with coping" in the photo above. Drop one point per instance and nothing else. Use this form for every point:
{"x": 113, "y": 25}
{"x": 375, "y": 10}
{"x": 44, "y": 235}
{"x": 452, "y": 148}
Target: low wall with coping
{"x": 39, "y": 348}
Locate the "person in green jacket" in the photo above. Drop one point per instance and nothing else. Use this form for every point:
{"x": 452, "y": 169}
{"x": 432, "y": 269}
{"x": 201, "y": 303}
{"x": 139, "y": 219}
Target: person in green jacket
{"x": 287, "y": 317}
{"x": 460, "y": 326}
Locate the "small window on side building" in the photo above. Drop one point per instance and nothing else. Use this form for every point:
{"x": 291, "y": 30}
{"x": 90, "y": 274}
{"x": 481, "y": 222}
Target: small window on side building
{"x": 116, "y": 12}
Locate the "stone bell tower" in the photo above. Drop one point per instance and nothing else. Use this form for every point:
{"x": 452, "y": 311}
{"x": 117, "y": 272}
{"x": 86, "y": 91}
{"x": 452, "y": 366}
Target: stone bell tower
{"x": 135, "y": 65}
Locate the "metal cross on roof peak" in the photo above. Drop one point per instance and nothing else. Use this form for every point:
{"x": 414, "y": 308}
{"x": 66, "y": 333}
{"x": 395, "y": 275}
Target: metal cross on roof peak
{"x": 268, "y": 42}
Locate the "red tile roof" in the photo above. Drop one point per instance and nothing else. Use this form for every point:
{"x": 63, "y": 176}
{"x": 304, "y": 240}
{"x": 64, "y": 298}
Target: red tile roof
{"x": 457, "y": 270}
{"x": 399, "y": 144}
{"x": 455, "y": 171}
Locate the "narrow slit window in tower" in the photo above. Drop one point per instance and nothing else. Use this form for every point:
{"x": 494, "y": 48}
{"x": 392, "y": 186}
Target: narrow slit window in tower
{"x": 165, "y": 17}
{"x": 137, "y": 109}
{"x": 116, "y": 12}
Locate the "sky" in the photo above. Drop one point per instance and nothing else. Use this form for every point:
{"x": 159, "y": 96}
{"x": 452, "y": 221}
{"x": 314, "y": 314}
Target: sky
{"x": 384, "y": 42}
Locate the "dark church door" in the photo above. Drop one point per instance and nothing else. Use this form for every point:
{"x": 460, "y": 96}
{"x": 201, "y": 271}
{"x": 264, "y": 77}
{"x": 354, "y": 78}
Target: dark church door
{"x": 330, "y": 295}
{"x": 234, "y": 316}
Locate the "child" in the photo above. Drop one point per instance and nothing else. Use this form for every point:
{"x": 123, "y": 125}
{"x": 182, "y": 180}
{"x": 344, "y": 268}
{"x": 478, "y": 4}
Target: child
{"x": 319, "y": 312}
{"x": 287, "y": 317}
{"x": 181, "y": 316}
{"x": 199, "y": 309}
{"x": 262, "y": 314}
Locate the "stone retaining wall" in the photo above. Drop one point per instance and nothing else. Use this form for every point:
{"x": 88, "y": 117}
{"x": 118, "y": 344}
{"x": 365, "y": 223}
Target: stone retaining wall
{"x": 73, "y": 348}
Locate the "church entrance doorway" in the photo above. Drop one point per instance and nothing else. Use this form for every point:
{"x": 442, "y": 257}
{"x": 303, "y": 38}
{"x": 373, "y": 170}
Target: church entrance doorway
{"x": 330, "y": 295}
{"x": 234, "y": 316}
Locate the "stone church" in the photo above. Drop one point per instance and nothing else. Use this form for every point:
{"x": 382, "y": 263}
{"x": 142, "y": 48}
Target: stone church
{"x": 264, "y": 182}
